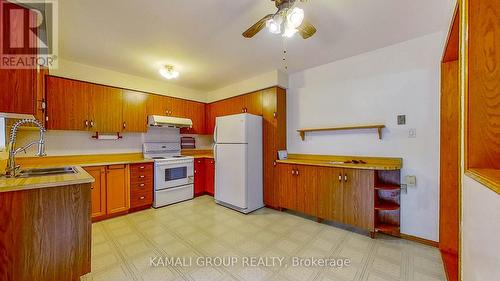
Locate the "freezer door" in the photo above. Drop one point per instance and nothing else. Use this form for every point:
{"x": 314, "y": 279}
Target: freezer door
{"x": 231, "y": 174}
{"x": 231, "y": 129}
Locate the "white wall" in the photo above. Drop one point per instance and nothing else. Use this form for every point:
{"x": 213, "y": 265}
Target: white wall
{"x": 265, "y": 80}
{"x": 74, "y": 70}
{"x": 480, "y": 232}
{"x": 81, "y": 143}
{"x": 375, "y": 87}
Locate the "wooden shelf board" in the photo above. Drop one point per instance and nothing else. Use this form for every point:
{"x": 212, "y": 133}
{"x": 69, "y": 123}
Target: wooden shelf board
{"x": 386, "y": 206}
{"x": 487, "y": 177}
{"x": 389, "y": 228}
{"x": 379, "y": 128}
{"x": 385, "y": 186}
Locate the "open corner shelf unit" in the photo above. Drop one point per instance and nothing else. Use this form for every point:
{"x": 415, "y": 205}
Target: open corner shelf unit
{"x": 379, "y": 128}
{"x": 387, "y": 199}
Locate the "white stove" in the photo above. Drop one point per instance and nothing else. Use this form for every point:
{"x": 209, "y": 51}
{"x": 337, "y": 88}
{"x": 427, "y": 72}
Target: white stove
{"x": 174, "y": 173}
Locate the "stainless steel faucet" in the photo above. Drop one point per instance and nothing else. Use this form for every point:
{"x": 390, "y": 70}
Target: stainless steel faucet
{"x": 12, "y": 169}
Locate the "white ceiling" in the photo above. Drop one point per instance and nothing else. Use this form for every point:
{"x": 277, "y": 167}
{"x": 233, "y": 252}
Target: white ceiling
{"x": 202, "y": 38}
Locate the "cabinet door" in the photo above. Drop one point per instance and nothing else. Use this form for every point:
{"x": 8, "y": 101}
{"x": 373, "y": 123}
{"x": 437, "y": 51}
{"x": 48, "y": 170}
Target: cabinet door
{"x": 135, "y": 115}
{"x": 358, "y": 198}
{"x": 105, "y": 109}
{"x": 199, "y": 176}
{"x": 253, "y": 103}
{"x": 330, "y": 199}
{"x": 210, "y": 176}
{"x": 306, "y": 189}
{"x": 98, "y": 190}
{"x": 17, "y": 86}
{"x": 67, "y": 104}
{"x": 158, "y": 105}
{"x": 196, "y": 112}
{"x": 118, "y": 189}
{"x": 288, "y": 186}
{"x": 234, "y": 105}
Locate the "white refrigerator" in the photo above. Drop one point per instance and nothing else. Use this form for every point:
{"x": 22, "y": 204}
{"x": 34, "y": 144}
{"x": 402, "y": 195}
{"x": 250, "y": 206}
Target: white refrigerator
{"x": 238, "y": 162}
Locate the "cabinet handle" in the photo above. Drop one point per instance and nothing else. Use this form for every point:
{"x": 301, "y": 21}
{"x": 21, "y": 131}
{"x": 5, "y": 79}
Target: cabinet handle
{"x": 141, "y": 177}
{"x": 293, "y": 172}
{"x": 297, "y": 172}
{"x": 92, "y": 187}
{"x": 275, "y": 114}
{"x": 141, "y": 185}
{"x": 142, "y": 167}
{"x": 142, "y": 198}
{"x": 345, "y": 177}
{"x": 124, "y": 125}
{"x": 274, "y": 163}
{"x": 340, "y": 177}
{"x": 86, "y": 123}
{"x": 91, "y": 124}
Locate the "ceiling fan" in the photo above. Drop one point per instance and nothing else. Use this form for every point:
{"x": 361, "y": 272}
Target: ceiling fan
{"x": 287, "y": 21}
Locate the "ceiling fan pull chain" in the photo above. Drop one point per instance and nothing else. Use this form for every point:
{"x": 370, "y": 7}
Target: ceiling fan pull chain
{"x": 285, "y": 55}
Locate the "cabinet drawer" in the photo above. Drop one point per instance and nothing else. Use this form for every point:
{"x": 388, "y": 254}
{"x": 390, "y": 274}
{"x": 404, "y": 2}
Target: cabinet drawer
{"x": 141, "y": 168}
{"x": 141, "y": 186}
{"x": 141, "y": 199}
{"x": 141, "y": 178}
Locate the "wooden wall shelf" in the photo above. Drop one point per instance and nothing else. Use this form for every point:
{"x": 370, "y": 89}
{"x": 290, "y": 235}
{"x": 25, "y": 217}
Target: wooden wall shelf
{"x": 379, "y": 128}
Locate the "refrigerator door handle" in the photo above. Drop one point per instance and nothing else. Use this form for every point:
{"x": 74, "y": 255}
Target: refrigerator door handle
{"x": 215, "y": 133}
{"x": 215, "y": 152}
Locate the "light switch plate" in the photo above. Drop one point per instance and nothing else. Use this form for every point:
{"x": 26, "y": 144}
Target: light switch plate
{"x": 412, "y": 133}
{"x": 401, "y": 119}
{"x": 411, "y": 180}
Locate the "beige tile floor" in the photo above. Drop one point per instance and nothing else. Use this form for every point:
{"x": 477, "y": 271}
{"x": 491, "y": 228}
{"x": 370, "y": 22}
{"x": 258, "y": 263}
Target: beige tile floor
{"x": 122, "y": 247}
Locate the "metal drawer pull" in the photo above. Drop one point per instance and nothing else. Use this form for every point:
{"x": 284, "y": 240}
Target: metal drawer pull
{"x": 141, "y": 185}
{"x": 141, "y": 167}
{"x": 142, "y": 197}
{"x": 340, "y": 178}
{"x": 345, "y": 177}
{"x": 143, "y": 176}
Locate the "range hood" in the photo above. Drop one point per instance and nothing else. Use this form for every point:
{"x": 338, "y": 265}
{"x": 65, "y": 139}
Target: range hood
{"x": 169, "y": 122}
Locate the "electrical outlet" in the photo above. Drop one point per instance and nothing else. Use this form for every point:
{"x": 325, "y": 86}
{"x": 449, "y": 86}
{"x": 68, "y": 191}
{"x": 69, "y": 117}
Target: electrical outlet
{"x": 401, "y": 119}
{"x": 411, "y": 180}
{"x": 412, "y": 133}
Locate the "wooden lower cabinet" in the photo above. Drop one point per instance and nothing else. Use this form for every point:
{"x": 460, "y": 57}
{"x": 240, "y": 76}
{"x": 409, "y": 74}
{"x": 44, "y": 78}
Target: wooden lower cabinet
{"x": 110, "y": 191}
{"x": 98, "y": 190}
{"x": 330, "y": 194}
{"x": 210, "y": 176}
{"x": 358, "y": 198}
{"x": 141, "y": 186}
{"x": 204, "y": 176}
{"x": 341, "y": 195}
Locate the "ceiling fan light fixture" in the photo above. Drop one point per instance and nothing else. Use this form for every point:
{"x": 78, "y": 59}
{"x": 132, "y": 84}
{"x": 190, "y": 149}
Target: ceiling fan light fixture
{"x": 169, "y": 72}
{"x": 274, "y": 25}
{"x": 289, "y": 32}
{"x": 295, "y": 17}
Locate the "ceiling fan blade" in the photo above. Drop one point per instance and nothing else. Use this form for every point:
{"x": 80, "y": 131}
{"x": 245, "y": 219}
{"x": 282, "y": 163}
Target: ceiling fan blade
{"x": 254, "y": 29}
{"x": 306, "y": 29}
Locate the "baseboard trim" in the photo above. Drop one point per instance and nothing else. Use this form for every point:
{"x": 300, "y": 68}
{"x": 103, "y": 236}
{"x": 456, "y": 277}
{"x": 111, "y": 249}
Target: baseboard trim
{"x": 420, "y": 240}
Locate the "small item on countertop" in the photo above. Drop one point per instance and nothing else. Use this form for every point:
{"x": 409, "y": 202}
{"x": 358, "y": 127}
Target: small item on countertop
{"x": 188, "y": 143}
{"x": 282, "y": 154}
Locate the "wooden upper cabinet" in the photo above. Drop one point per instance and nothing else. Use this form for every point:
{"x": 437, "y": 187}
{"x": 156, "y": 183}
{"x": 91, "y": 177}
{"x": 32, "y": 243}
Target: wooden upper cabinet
{"x": 75, "y": 105}
{"x": 253, "y": 103}
{"x": 67, "y": 104}
{"x": 135, "y": 114}
{"x": 105, "y": 109}
{"x": 196, "y": 112}
{"x": 159, "y": 105}
{"x": 118, "y": 189}
{"x": 18, "y": 86}
{"x": 358, "y": 198}
{"x": 98, "y": 190}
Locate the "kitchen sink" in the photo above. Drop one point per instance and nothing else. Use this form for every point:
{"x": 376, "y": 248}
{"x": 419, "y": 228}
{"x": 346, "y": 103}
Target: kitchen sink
{"x": 28, "y": 173}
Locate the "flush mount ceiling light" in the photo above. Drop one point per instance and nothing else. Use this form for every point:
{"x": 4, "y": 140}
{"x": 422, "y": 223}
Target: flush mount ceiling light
{"x": 169, "y": 72}
{"x": 287, "y": 21}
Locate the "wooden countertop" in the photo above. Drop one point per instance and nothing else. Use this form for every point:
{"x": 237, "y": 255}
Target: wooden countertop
{"x": 19, "y": 184}
{"x": 372, "y": 163}
{"x": 198, "y": 153}
{"x": 82, "y": 160}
